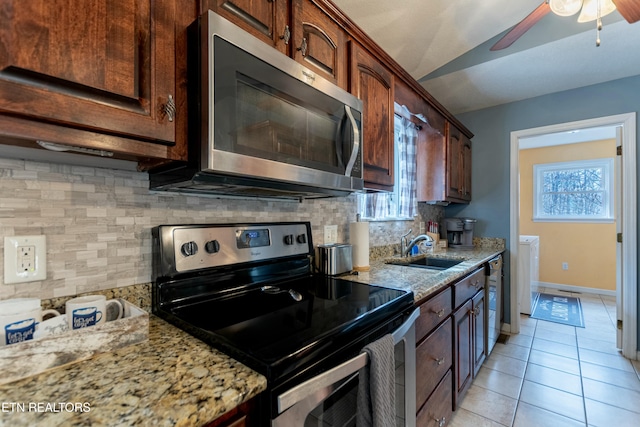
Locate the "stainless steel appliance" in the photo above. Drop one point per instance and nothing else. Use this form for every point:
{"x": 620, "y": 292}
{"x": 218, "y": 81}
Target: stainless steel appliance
{"x": 459, "y": 232}
{"x": 335, "y": 259}
{"x": 262, "y": 125}
{"x": 493, "y": 295}
{"x": 249, "y": 290}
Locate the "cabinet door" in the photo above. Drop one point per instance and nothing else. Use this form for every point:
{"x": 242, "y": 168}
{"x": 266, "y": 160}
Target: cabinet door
{"x": 105, "y": 66}
{"x": 479, "y": 332}
{"x": 267, "y": 20}
{"x": 373, "y": 84}
{"x": 454, "y": 162}
{"x": 463, "y": 350}
{"x": 466, "y": 168}
{"x": 319, "y": 43}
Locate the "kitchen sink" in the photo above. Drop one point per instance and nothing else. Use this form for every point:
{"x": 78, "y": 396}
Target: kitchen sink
{"x": 435, "y": 263}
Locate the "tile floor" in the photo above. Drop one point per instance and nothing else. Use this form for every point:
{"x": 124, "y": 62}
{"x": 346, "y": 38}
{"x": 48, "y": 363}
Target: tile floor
{"x": 556, "y": 375}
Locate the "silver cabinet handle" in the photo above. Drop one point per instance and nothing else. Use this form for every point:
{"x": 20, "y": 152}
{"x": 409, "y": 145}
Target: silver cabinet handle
{"x": 440, "y": 361}
{"x": 169, "y": 108}
{"x": 440, "y": 313}
{"x": 286, "y": 36}
{"x": 303, "y": 47}
{"x": 441, "y": 422}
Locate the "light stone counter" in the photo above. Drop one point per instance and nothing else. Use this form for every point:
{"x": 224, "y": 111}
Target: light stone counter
{"x": 424, "y": 282}
{"x": 173, "y": 379}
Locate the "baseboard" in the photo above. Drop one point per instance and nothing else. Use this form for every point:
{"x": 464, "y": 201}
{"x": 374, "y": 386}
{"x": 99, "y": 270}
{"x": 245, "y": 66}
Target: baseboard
{"x": 571, "y": 288}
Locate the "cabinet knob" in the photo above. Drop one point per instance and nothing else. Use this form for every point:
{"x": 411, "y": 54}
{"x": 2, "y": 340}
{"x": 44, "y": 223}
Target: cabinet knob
{"x": 440, "y": 361}
{"x": 440, "y": 313}
{"x": 169, "y": 108}
{"x": 477, "y": 284}
{"x": 303, "y": 47}
{"x": 441, "y": 422}
{"x": 286, "y": 36}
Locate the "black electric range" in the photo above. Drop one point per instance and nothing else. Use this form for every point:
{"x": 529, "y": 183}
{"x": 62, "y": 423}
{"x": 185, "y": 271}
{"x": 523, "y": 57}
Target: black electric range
{"x": 250, "y": 290}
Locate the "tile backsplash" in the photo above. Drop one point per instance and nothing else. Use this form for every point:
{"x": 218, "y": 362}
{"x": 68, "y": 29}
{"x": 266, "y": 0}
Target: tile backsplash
{"x": 98, "y": 222}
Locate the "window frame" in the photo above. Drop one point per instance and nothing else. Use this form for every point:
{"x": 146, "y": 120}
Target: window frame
{"x": 607, "y": 164}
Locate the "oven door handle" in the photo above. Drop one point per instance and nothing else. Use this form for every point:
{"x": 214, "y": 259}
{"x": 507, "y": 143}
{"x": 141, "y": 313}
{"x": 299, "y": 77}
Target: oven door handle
{"x": 334, "y": 375}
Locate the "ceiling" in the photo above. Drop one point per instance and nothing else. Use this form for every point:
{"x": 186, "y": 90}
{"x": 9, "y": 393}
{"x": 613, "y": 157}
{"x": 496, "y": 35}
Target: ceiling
{"x": 444, "y": 44}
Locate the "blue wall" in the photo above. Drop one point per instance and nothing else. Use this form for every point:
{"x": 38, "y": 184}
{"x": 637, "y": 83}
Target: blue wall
{"x": 492, "y": 128}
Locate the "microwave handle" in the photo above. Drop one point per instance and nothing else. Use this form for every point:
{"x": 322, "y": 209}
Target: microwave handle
{"x": 356, "y": 142}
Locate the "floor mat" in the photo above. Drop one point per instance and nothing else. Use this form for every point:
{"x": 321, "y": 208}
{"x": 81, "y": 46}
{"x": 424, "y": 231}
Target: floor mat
{"x": 558, "y": 308}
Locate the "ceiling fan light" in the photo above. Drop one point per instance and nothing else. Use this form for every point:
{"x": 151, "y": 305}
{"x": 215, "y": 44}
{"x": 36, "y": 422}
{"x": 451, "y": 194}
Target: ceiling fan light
{"x": 590, "y": 10}
{"x": 565, "y": 7}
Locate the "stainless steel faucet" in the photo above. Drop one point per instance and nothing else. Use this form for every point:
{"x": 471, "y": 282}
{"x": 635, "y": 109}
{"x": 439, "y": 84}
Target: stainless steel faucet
{"x": 403, "y": 242}
{"x": 405, "y": 248}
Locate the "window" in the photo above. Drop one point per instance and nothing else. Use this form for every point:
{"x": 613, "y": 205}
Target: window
{"x": 401, "y": 203}
{"x": 574, "y": 191}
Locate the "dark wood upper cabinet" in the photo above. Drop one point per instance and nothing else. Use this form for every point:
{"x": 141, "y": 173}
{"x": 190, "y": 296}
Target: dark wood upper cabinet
{"x": 458, "y": 165}
{"x": 373, "y": 84}
{"x": 267, "y": 20}
{"x": 105, "y": 67}
{"x": 319, "y": 43}
{"x": 444, "y": 164}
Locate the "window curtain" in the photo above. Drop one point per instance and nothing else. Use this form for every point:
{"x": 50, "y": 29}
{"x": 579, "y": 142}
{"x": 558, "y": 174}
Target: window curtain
{"x": 406, "y": 142}
{"x": 402, "y": 202}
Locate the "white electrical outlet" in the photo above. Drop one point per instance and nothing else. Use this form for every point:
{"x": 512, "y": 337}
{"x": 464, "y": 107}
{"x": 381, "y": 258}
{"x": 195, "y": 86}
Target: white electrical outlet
{"x": 565, "y": 265}
{"x": 25, "y": 259}
{"x": 330, "y": 234}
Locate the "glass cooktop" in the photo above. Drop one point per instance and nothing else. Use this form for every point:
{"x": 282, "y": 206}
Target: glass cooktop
{"x": 280, "y": 324}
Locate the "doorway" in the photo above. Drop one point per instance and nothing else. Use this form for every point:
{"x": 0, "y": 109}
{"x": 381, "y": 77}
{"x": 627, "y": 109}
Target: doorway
{"x": 626, "y": 219}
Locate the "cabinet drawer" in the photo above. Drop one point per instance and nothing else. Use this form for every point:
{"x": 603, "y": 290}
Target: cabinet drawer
{"x": 433, "y": 360}
{"x": 437, "y": 412}
{"x": 466, "y": 288}
{"x": 433, "y": 312}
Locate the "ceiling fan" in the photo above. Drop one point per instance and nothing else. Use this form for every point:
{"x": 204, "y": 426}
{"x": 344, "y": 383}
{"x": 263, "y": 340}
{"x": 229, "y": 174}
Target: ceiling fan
{"x": 589, "y": 10}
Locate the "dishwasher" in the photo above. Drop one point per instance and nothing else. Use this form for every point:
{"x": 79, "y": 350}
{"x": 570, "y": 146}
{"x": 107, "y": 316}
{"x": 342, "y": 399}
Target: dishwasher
{"x": 493, "y": 294}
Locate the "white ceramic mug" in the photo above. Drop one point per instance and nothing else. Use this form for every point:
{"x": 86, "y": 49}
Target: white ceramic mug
{"x": 91, "y": 310}
{"x": 19, "y": 318}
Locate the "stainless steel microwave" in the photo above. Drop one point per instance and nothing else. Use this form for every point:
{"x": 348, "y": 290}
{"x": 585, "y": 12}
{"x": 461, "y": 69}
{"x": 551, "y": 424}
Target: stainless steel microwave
{"x": 261, "y": 124}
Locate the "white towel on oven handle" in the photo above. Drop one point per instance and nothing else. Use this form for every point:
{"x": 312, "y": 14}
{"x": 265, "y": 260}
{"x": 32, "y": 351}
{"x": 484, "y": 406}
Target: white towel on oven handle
{"x": 376, "y": 405}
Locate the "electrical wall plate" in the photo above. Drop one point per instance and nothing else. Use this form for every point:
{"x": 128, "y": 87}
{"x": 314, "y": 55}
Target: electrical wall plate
{"x": 25, "y": 259}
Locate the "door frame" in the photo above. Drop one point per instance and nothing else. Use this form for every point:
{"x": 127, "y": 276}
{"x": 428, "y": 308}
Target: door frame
{"x": 629, "y": 273}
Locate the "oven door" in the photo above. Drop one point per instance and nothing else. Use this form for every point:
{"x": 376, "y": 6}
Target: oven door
{"x": 329, "y": 399}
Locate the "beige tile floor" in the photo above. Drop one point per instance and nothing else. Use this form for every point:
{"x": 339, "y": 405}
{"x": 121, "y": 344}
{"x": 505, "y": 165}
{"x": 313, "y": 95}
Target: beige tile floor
{"x": 556, "y": 375}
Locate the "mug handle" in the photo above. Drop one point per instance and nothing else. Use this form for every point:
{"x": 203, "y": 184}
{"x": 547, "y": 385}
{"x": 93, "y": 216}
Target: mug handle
{"x": 119, "y": 304}
{"x": 50, "y": 311}
{"x": 98, "y": 317}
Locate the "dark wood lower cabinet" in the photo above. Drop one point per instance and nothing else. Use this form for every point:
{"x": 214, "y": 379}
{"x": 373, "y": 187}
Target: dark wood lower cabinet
{"x": 479, "y": 332}
{"x": 244, "y": 415}
{"x": 438, "y": 410}
{"x": 463, "y": 350}
{"x": 433, "y": 360}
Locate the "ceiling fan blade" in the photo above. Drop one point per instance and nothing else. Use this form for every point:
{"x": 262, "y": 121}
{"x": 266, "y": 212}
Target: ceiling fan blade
{"x": 522, "y": 27}
{"x": 629, "y": 9}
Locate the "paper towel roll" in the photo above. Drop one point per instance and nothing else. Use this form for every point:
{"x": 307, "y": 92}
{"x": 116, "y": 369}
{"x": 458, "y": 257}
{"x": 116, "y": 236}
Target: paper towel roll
{"x": 359, "y": 238}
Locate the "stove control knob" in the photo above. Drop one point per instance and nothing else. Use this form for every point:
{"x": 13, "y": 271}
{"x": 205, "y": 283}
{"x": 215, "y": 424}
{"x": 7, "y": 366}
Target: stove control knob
{"x": 212, "y": 246}
{"x": 302, "y": 238}
{"x": 189, "y": 248}
{"x": 288, "y": 239}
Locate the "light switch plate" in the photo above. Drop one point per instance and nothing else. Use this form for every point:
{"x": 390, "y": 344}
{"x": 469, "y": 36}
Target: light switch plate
{"x": 25, "y": 259}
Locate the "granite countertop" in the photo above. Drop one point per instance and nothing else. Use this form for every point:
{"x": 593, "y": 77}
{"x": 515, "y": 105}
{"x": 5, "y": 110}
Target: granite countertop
{"x": 173, "y": 379}
{"x": 424, "y": 282}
